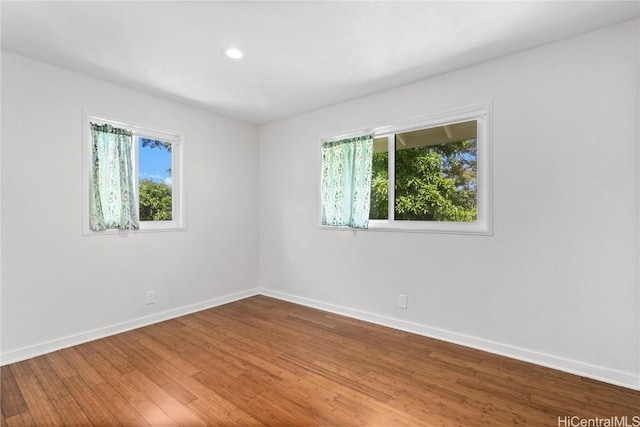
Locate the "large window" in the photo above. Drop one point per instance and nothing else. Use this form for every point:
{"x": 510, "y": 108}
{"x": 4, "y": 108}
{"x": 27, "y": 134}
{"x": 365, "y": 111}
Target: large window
{"x": 152, "y": 167}
{"x": 433, "y": 174}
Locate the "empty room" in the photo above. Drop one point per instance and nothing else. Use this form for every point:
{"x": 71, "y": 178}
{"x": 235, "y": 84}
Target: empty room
{"x": 319, "y": 213}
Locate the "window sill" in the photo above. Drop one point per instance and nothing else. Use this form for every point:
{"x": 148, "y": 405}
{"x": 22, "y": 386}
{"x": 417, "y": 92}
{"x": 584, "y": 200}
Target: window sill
{"x": 147, "y": 229}
{"x": 421, "y": 227}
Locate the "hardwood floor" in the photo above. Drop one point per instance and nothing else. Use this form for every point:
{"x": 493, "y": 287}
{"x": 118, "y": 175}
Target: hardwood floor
{"x": 261, "y": 361}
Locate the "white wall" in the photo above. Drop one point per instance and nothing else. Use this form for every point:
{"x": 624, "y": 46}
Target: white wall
{"x": 60, "y": 287}
{"x": 557, "y": 283}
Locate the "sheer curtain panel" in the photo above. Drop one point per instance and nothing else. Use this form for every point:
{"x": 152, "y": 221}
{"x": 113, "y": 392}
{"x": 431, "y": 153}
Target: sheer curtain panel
{"x": 112, "y": 203}
{"x": 346, "y": 181}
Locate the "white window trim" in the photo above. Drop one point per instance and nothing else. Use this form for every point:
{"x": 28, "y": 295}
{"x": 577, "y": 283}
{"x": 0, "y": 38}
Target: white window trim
{"x": 484, "y": 225}
{"x": 177, "y": 164}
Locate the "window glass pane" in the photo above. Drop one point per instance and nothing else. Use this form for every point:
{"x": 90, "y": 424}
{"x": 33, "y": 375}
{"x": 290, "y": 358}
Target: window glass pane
{"x": 380, "y": 180}
{"x": 155, "y": 189}
{"x": 435, "y": 173}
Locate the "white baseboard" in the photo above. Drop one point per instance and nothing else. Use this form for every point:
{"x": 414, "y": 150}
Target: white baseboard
{"x": 611, "y": 376}
{"x": 58, "y": 344}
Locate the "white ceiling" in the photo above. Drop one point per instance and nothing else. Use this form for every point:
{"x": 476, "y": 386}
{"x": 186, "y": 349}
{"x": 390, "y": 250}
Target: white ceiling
{"x": 299, "y": 56}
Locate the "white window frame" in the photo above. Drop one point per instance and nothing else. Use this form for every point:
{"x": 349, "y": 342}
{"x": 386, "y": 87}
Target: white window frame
{"x": 480, "y": 112}
{"x": 176, "y": 139}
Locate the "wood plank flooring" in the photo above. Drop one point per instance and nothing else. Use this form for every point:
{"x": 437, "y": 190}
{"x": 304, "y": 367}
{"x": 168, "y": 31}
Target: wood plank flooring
{"x": 261, "y": 361}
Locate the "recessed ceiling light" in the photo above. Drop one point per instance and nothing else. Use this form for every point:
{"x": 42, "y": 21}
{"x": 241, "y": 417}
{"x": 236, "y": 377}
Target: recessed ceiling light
{"x": 232, "y": 52}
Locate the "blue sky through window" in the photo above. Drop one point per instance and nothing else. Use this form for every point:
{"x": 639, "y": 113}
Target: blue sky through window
{"x": 154, "y": 163}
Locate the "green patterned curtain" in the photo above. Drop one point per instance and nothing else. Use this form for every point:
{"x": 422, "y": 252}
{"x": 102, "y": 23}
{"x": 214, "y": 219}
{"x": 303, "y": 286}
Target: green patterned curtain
{"x": 346, "y": 181}
{"x": 111, "y": 202}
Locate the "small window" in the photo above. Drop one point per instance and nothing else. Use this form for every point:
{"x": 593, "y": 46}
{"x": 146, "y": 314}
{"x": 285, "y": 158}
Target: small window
{"x": 433, "y": 174}
{"x": 156, "y": 179}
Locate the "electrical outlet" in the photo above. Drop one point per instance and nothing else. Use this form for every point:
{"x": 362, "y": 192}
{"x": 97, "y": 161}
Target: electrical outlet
{"x": 402, "y": 301}
{"x": 151, "y": 297}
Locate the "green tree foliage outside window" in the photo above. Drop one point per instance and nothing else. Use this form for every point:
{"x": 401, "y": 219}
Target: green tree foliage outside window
{"x": 155, "y": 197}
{"x": 155, "y": 201}
{"x": 154, "y": 143}
{"x": 432, "y": 183}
